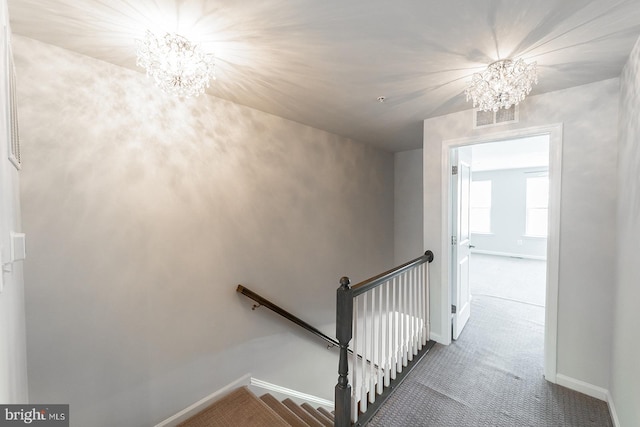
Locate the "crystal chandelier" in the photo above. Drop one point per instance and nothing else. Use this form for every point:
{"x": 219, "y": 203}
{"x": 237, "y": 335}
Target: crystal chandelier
{"x": 178, "y": 66}
{"x": 504, "y": 83}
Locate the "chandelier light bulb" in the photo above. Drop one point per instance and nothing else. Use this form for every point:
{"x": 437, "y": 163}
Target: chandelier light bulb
{"x": 504, "y": 83}
{"x": 177, "y": 65}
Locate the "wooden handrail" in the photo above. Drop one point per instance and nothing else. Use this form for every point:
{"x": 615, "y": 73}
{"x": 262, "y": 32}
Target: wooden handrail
{"x": 381, "y": 278}
{"x": 284, "y": 313}
{"x": 344, "y": 328}
{"x": 263, "y": 302}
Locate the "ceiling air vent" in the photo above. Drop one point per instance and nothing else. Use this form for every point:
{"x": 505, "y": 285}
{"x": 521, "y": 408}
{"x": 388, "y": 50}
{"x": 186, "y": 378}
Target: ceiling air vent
{"x": 491, "y": 118}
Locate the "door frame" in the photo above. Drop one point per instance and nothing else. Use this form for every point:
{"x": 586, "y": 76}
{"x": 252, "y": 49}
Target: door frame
{"x": 555, "y": 132}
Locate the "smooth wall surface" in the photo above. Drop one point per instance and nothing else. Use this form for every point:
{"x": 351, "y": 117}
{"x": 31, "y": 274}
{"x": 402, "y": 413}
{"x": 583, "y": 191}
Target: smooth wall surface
{"x": 587, "y": 241}
{"x": 13, "y": 357}
{"x": 144, "y": 213}
{"x": 625, "y": 366}
{"x": 408, "y": 206}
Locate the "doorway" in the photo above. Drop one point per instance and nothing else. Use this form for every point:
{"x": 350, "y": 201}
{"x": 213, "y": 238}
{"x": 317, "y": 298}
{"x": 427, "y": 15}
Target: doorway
{"x": 460, "y": 246}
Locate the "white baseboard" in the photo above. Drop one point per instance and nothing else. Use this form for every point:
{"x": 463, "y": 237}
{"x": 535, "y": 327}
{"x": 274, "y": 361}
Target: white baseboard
{"x": 551, "y": 377}
{"x": 508, "y": 254}
{"x": 612, "y": 410}
{"x": 191, "y": 410}
{"x": 438, "y": 338}
{"x": 283, "y": 391}
{"x": 582, "y": 387}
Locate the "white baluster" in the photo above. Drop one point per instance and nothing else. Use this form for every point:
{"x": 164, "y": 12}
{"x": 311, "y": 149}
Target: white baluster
{"x": 420, "y": 307}
{"x": 356, "y": 350}
{"x": 380, "y": 361}
{"x": 405, "y": 314}
{"x": 416, "y": 313}
{"x": 400, "y": 322}
{"x": 427, "y": 311}
{"x": 363, "y": 390}
{"x": 410, "y": 283}
{"x": 425, "y": 319}
{"x": 372, "y": 373}
{"x": 387, "y": 338}
{"x": 416, "y": 310}
{"x": 412, "y": 298}
{"x": 394, "y": 329}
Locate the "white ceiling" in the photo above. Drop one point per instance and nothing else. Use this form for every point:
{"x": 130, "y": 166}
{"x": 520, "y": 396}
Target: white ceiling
{"x": 324, "y": 63}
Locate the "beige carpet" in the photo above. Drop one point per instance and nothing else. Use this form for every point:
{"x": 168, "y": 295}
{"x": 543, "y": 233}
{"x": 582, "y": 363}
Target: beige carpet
{"x": 240, "y": 408}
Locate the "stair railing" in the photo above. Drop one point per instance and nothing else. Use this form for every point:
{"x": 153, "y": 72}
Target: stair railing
{"x": 264, "y": 302}
{"x": 387, "y": 316}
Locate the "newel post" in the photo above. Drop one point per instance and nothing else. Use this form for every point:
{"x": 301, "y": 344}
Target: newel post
{"x": 344, "y": 322}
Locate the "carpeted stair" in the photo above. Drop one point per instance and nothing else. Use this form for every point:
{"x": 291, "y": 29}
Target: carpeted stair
{"x": 242, "y": 408}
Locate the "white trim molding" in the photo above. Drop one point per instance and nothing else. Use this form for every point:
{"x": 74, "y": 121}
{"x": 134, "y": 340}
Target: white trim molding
{"x": 437, "y": 338}
{"x": 612, "y": 410}
{"x": 582, "y": 387}
{"x": 555, "y": 132}
{"x": 191, "y": 410}
{"x": 508, "y": 254}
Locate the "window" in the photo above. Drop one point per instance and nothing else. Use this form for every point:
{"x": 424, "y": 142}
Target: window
{"x": 480, "y": 221}
{"x": 537, "y": 206}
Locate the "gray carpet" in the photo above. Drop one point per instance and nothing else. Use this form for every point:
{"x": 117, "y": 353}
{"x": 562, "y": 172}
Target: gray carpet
{"x": 512, "y": 278}
{"x": 492, "y": 376}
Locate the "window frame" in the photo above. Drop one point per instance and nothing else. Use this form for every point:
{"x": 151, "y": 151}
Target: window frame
{"x": 485, "y": 207}
{"x": 531, "y": 206}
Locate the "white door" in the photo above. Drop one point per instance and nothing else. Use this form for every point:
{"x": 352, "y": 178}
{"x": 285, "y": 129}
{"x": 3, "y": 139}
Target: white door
{"x": 460, "y": 240}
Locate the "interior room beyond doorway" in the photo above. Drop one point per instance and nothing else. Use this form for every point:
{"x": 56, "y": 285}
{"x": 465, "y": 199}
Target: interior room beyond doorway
{"x": 503, "y": 200}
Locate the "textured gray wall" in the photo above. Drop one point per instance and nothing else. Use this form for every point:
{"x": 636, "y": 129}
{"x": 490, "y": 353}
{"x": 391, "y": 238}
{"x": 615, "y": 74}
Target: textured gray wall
{"x": 587, "y": 216}
{"x": 144, "y": 212}
{"x": 408, "y": 206}
{"x": 625, "y": 366}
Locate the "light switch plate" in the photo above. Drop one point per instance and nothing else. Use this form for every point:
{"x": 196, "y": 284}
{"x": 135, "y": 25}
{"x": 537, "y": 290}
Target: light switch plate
{"x": 18, "y": 247}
